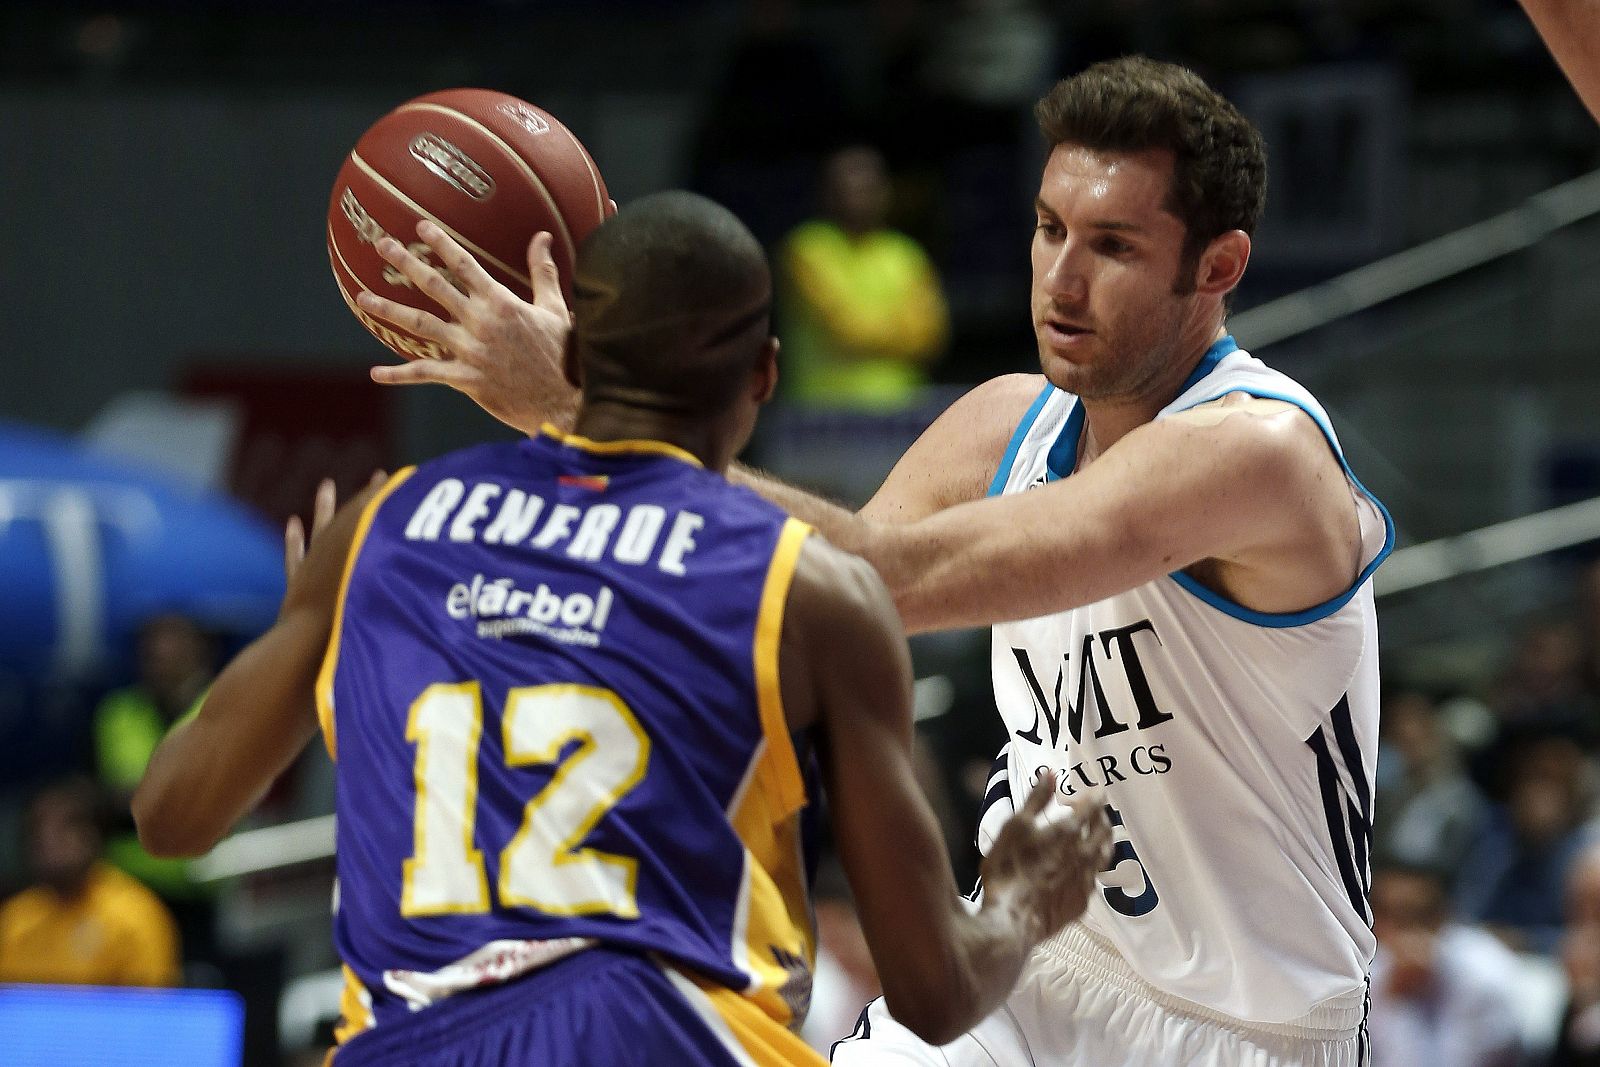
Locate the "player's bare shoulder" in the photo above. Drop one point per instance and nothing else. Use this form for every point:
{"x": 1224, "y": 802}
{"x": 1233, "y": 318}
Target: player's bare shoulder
{"x": 1000, "y": 402}
{"x": 1268, "y": 437}
{"x": 1280, "y": 453}
{"x": 955, "y": 458}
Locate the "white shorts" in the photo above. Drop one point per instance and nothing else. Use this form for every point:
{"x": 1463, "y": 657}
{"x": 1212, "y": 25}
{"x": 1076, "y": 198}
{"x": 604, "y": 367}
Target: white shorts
{"x": 1078, "y": 1005}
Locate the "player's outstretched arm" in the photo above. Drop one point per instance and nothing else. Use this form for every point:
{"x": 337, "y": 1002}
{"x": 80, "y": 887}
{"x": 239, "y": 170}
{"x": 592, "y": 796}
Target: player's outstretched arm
{"x": 951, "y": 462}
{"x": 1249, "y": 484}
{"x": 211, "y": 770}
{"x": 1571, "y": 30}
{"x": 942, "y": 967}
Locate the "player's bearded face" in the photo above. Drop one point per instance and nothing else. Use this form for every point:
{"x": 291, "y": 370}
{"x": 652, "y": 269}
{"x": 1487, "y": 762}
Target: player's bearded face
{"x": 1110, "y": 295}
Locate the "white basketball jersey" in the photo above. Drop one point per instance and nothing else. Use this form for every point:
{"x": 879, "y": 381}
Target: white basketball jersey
{"x": 1234, "y": 749}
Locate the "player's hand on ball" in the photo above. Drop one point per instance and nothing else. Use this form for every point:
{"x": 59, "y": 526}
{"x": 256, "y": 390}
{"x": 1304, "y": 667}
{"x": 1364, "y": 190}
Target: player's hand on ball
{"x": 506, "y": 352}
{"x": 1045, "y": 859}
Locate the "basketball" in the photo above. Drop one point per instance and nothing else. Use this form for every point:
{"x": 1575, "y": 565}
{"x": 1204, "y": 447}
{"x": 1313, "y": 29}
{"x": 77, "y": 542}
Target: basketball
{"x": 489, "y": 169}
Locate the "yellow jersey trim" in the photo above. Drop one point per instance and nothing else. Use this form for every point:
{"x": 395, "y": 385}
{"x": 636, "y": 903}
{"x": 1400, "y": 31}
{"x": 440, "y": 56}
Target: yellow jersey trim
{"x": 787, "y": 785}
{"x": 355, "y": 1009}
{"x": 330, "y": 659}
{"x": 621, "y": 447}
{"x": 752, "y": 1037}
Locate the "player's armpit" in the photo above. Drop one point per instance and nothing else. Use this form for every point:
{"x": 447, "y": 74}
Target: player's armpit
{"x": 259, "y": 714}
{"x": 1256, "y": 488}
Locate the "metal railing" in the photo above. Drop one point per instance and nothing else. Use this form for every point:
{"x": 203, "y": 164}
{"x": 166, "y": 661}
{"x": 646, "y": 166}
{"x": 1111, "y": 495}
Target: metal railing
{"x": 1421, "y": 266}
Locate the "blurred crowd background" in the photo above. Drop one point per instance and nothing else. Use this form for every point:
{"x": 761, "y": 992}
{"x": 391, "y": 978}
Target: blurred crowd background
{"x": 177, "y": 371}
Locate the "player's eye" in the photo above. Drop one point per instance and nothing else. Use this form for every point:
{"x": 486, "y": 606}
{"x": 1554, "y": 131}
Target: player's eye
{"x": 1111, "y": 246}
{"x": 1053, "y": 230}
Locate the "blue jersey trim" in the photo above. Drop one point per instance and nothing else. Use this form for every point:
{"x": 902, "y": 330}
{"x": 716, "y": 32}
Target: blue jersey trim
{"x": 1063, "y": 456}
{"x": 1225, "y": 346}
{"x": 1283, "y": 620}
{"x": 998, "y": 485}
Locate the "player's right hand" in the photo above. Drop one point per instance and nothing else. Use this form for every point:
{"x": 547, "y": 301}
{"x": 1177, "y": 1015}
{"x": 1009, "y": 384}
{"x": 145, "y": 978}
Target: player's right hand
{"x": 506, "y": 353}
{"x": 1045, "y": 858}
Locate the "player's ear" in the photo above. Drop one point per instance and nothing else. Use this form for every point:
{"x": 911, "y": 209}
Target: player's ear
{"x": 571, "y": 367}
{"x": 765, "y": 381}
{"x": 1222, "y": 263}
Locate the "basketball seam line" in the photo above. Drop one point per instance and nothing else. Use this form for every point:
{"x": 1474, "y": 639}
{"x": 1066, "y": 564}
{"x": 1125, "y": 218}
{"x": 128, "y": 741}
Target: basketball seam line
{"x": 366, "y": 168}
{"x": 333, "y": 246}
{"x": 527, "y": 169}
{"x": 594, "y": 177}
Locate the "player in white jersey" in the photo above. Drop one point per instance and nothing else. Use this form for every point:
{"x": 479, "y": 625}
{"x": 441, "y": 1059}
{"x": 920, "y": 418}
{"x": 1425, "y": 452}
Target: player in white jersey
{"x": 1177, "y": 527}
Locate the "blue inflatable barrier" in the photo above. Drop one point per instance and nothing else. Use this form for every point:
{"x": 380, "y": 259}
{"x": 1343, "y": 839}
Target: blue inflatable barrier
{"x": 90, "y": 547}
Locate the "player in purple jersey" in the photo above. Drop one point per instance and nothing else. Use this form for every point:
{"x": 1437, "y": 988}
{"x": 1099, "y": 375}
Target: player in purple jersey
{"x": 573, "y": 684}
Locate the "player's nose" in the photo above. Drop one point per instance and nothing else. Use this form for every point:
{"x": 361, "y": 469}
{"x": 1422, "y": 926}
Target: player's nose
{"x": 1065, "y": 278}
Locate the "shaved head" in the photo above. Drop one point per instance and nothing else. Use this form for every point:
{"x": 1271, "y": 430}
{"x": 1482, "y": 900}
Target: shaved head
{"x": 672, "y": 299}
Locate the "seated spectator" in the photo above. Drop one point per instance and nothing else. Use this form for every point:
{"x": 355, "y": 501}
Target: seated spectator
{"x": 862, "y": 310}
{"x": 1428, "y": 810}
{"x": 1439, "y": 990}
{"x": 82, "y": 922}
{"x": 1514, "y": 878}
{"x": 176, "y": 664}
{"x": 1578, "y": 1041}
{"x": 1544, "y": 686}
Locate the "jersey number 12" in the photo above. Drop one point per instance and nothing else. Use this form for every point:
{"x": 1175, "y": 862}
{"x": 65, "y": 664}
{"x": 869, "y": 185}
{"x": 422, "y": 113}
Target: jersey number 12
{"x": 545, "y": 866}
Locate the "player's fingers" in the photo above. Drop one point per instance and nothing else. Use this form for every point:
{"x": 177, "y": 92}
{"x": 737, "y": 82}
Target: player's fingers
{"x": 427, "y": 372}
{"x": 1039, "y": 796}
{"x": 415, "y": 320}
{"x": 542, "y": 271}
{"x": 424, "y": 275}
{"x": 294, "y": 545}
{"x": 377, "y": 479}
{"x": 323, "y": 508}
{"x": 1095, "y": 829}
{"x": 467, "y": 270}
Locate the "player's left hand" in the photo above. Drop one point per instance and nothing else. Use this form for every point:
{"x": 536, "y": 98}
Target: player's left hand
{"x": 506, "y": 353}
{"x": 323, "y": 506}
{"x": 1045, "y": 859}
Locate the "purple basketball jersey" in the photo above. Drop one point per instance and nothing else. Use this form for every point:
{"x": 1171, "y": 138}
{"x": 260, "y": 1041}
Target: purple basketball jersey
{"x": 552, "y": 697}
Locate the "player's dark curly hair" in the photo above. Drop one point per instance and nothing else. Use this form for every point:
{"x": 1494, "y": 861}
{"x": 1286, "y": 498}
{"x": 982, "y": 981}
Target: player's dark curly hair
{"x": 1219, "y": 181}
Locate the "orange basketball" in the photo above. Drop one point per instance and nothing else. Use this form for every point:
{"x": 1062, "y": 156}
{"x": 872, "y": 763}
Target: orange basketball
{"x": 489, "y": 169}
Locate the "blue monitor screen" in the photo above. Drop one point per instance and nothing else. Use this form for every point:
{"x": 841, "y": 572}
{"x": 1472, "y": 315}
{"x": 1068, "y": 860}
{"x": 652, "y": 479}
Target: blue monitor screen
{"x": 57, "y": 1026}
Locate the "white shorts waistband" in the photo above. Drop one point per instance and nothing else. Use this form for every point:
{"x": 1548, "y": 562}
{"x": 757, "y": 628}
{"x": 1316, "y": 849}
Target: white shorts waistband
{"x": 1338, "y": 1019}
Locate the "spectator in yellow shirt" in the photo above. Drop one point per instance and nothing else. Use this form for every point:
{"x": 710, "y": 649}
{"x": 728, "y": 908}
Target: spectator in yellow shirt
{"x": 176, "y": 664}
{"x": 83, "y": 922}
{"x": 863, "y": 314}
